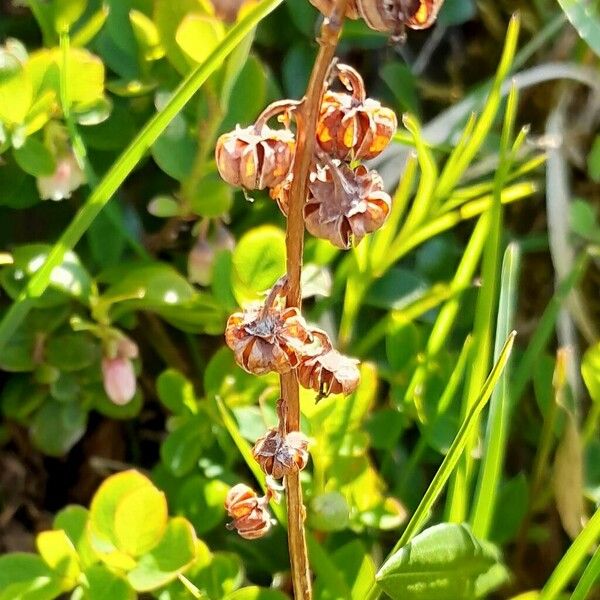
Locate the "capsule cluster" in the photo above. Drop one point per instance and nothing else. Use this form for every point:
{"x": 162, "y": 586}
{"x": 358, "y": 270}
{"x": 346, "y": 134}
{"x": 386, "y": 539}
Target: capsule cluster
{"x": 270, "y": 338}
{"x": 346, "y": 200}
{"x": 273, "y": 338}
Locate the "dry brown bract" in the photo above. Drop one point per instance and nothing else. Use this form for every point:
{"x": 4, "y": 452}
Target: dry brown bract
{"x": 268, "y": 338}
{"x": 251, "y": 517}
{"x": 352, "y": 126}
{"x": 279, "y": 455}
{"x": 345, "y": 204}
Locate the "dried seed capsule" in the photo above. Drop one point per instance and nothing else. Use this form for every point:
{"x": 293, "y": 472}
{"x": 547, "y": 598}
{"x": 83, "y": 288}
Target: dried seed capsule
{"x": 329, "y": 372}
{"x": 344, "y": 204}
{"x": 352, "y": 126}
{"x": 250, "y": 515}
{"x": 269, "y": 338}
{"x": 279, "y": 455}
{"x": 389, "y": 16}
{"x": 257, "y": 157}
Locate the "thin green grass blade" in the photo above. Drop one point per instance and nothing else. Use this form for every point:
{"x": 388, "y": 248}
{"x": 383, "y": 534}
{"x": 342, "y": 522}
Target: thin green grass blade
{"x": 570, "y": 562}
{"x": 421, "y": 205}
{"x": 450, "y": 178}
{"x": 451, "y": 459}
{"x": 126, "y": 162}
{"x": 500, "y": 405}
{"x": 485, "y": 311}
{"x": 589, "y": 578}
{"x": 433, "y": 227}
{"x": 447, "y": 315}
{"x": 381, "y": 239}
{"x": 545, "y": 328}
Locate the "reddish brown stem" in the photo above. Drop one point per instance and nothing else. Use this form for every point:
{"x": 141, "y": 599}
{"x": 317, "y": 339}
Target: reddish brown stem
{"x": 306, "y": 118}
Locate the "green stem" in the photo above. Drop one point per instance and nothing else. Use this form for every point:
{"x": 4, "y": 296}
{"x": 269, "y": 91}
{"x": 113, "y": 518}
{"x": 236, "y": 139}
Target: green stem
{"x": 125, "y": 164}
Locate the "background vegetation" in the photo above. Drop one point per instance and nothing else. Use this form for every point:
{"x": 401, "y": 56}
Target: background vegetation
{"x": 113, "y": 364}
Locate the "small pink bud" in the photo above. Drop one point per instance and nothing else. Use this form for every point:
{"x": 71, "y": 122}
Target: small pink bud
{"x": 200, "y": 262}
{"x": 67, "y": 177}
{"x": 119, "y": 379}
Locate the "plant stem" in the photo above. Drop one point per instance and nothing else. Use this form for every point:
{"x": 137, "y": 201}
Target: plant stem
{"x": 306, "y": 118}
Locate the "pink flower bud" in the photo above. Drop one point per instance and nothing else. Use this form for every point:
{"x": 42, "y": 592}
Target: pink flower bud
{"x": 119, "y": 379}
{"x": 67, "y": 177}
{"x": 200, "y": 262}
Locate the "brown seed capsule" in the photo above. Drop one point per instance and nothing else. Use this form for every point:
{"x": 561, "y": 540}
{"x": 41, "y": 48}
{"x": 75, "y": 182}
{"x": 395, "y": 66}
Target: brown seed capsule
{"x": 257, "y": 157}
{"x": 329, "y": 373}
{"x": 389, "y": 16}
{"x": 352, "y": 126}
{"x": 250, "y": 515}
{"x": 279, "y": 455}
{"x": 344, "y": 204}
{"x": 269, "y": 338}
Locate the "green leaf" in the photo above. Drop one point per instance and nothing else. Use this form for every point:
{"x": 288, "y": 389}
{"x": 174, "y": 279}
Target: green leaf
{"x": 584, "y": 220}
{"x": 174, "y": 553}
{"x": 35, "y": 158}
{"x": 26, "y": 577}
{"x": 101, "y": 584}
{"x": 20, "y": 397}
{"x": 73, "y": 521}
{"x": 511, "y": 507}
{"x": 445, "y": 561}
{"x": 140, "y": 520}
{"x": 329, "y": 512}
{"x": 57, "y": 427}
{"x": 201, "y": 500}
{"x": 103, "y": 510}
{"x": 146, "y": 35}
{"x": 176, "y": 392}
{"x": 182, "y": 449}
{"x": 60, "y": 555}
{"x": 151, "y": 287}
{"x": 198, "y": 35}
{"x": 402, "y": 82}
{"x": 212, "y": 197}
{"x": 251, "y": 84}
{"x": 258, "y": 261}
{"x": 593, "y": 160}
{"x": 456, "y": 12}
{"x": 67, "y": 12}
{"x": 68, "y": 277}
{"x": 72, "y": 351}
{"x": 16, "y": 90}
{"x": 175, "y": 150}
{"x": 585, "y": 17}
{"x": 255, "y": 593}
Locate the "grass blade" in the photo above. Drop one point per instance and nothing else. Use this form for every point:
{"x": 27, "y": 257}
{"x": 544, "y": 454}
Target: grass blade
{"x": 570, "y": 562}
{"x": 590, "y": 576}
{"x": 125, "y": 164}
{"x": 487, "y": 300}
{"x": 500, "y": 406}
{"x": 450, "y": 177}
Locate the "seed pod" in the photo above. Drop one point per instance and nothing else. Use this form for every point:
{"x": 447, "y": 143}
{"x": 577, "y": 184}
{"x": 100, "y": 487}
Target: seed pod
{"x": 389, "y": 16}
{"x": 257, "y": 157}
{"x": 279, "y": 455}
{"x": 352, "y": 126}
{"x": 329, "y": 372}
{"x": 250, "y": 515}
{"x": 269, "y": 338}
{"x": 344, "y": 204}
